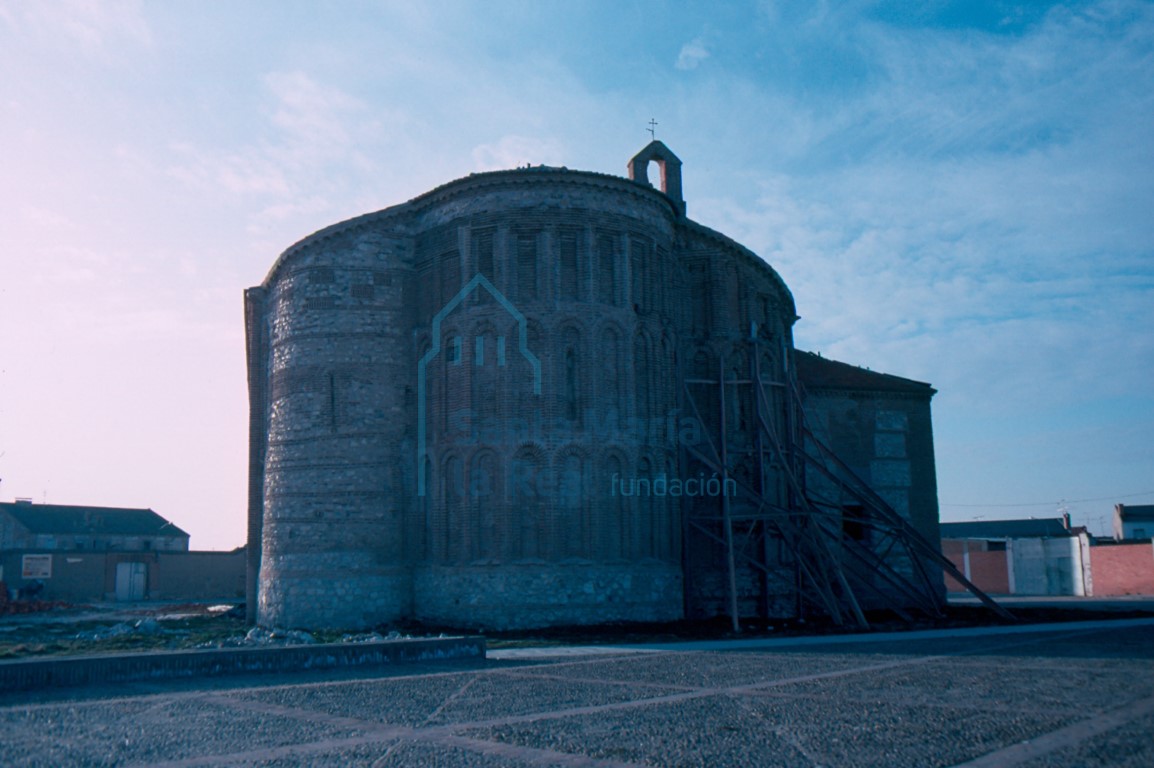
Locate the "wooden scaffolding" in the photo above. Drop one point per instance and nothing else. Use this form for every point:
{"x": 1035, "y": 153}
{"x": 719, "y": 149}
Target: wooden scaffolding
{"x": 842, "y": 559}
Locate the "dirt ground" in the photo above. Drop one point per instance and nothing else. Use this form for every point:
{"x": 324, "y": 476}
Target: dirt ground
{"x": 120, "y": 627}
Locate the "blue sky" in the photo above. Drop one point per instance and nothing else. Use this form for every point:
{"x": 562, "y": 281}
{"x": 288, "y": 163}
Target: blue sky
{"x": 956, "y": 192}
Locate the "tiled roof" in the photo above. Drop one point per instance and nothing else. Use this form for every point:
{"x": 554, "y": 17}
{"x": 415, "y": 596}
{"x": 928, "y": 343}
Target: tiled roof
{"x": 65, "y": 519}
{"x": 816, "y": 372}
{"x": 1005, "y": 529}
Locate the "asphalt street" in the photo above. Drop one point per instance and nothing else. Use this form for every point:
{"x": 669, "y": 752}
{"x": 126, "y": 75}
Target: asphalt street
{"x": 1073, "y": 695}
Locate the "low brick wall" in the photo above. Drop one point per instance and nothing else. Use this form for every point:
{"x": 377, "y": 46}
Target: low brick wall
{"x": 1122, "y": 569}
{"x": 24, "y": 674}
{"x": 80, "y": 576}
{"x": 989, "y": 570}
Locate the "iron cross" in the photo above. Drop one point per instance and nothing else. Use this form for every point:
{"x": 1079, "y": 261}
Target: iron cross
{"x": 652, "y": 127}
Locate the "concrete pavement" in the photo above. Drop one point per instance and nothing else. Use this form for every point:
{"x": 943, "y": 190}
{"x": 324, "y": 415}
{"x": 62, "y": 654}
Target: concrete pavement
{"x": 1063, "y": 696}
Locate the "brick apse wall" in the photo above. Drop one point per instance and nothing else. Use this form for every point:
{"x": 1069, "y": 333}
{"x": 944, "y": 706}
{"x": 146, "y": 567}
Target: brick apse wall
{"x": 461, "y": 406}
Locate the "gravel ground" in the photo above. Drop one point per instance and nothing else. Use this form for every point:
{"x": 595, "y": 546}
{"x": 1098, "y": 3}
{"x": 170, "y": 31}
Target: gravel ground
{"x": 1056, "y": 699}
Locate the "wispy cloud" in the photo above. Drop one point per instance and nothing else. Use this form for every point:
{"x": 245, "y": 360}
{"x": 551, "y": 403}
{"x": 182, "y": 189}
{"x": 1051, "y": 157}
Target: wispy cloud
{"x": 692, "y": 54}
{"x": 515, "y": 151}
{"x": 977, "y": 209}
{"x": 311, "y": 139}
{"x": 315, "y": 120}
{"x": 93, "y": 26}
{"x": 958, "y": 201}
{"x": 235, "y": 174}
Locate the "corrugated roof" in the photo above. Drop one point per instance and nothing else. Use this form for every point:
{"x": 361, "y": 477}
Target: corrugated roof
{"x": 816, "y": 372}
{"x": 1005, "y": 529}
{"x": 66, "y": 519}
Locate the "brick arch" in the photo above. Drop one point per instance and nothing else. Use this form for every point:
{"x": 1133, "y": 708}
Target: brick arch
{"x": 646, "y": 506}
{"x": 572, "y": 378}
{"x": 643, "y": 374}
{"x": 524, "y": 490}
{"x": 449, "y": 508}
{"x": 613, "y": 518}
{"x": 608, "y": 356}
{"x": 702, "y": 363}
{"x": 572, "y": 524}
{"x": 484, "y": 487}
{"x": 426, "y": 511}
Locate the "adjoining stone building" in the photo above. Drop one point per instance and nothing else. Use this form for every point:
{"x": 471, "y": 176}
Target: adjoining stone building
{"x": 529, "y": 397}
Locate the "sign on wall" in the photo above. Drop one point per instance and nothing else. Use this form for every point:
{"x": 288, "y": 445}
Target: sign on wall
{"x": 36, "y": 567}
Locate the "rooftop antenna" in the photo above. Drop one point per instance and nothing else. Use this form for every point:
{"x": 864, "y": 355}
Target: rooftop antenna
{"x": 652, "y": 129}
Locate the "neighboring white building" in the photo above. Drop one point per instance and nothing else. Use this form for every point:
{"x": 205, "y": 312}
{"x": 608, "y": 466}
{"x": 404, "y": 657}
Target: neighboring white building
{"x": 1133, "y": 522}
{"x": 1020, "y": 557}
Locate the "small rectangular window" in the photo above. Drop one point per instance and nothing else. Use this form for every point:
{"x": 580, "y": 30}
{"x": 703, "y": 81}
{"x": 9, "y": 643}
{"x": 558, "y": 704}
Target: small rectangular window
{"x": 853, "y": 522}
{"x": 322, "y": 275}
{"x": 321, "y": 302}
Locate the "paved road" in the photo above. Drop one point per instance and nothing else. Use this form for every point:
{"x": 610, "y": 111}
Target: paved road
{"x": 1069, "y": 696}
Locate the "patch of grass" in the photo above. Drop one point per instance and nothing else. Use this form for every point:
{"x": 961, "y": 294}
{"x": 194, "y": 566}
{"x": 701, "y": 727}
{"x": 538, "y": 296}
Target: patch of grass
{"x": 69, "y": 638}
{"x": 75, "y": 638}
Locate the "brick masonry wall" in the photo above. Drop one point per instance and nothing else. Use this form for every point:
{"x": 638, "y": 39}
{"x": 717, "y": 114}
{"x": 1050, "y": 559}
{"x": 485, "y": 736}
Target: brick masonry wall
{"x": 617, "y": 299}
{"x": 1122, "y": 569}
{"x": 199, "y": 576}
{"x": 81, "y": 576}
{"x": 542, "y": 594}
{"x": 886, "y": 439}
{"x": 989, "y": 571}
{"x": 332, "y": 532}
